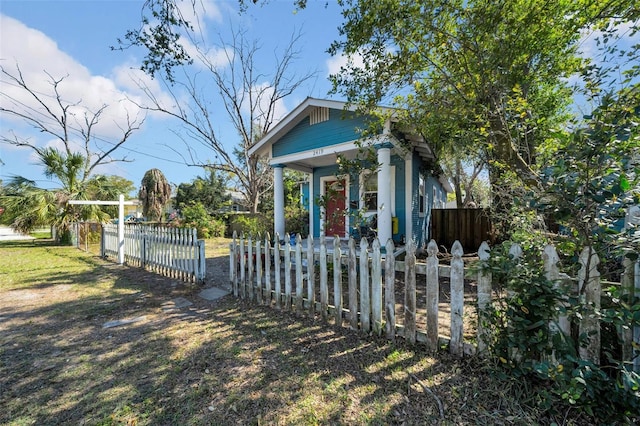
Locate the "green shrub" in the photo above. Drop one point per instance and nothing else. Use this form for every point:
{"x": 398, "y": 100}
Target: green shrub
{"x": 248, "y": 224}
{"x": 196, "y": 216}
{"x": 524, "y": 343}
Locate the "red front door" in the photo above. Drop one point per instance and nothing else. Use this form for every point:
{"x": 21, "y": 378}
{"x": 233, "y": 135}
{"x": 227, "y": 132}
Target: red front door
{"x": 335, "y": 192}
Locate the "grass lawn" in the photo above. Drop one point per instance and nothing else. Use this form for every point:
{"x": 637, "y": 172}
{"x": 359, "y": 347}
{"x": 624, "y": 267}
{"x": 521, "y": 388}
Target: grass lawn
{"x": 211, "y": 363}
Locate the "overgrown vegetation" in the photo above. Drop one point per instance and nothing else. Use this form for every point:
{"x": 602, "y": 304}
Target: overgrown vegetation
{"x": 591, "y": 180}
{"x": 196, "y": 216}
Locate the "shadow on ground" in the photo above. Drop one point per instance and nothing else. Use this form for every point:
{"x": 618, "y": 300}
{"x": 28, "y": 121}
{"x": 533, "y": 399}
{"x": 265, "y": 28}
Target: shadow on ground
{"x": 220, "y": 362}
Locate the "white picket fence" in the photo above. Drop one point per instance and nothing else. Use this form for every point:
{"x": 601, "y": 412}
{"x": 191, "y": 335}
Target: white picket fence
{"x": 363, "y": 289}
{"x": 172, "y": 252}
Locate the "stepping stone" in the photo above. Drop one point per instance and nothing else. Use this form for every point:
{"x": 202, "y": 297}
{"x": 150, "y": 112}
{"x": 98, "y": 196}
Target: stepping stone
{"x": 177, "y": 303}
{"x": 212, "y": 293}
{"x": 117, "y": 323}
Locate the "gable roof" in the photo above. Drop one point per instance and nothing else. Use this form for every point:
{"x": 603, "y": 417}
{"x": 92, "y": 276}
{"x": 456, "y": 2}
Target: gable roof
{"x": 290, "y": 120}
{"x": 262, "y": 147}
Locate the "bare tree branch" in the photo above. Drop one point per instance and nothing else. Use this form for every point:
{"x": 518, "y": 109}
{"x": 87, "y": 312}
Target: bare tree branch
{"x": 250, "y": 100}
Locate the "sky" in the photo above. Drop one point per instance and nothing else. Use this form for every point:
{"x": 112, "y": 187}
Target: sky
{"x": 72, "y": 39}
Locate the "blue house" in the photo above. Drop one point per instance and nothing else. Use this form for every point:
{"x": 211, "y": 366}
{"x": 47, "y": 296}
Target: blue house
{"x": 397, "y": 196}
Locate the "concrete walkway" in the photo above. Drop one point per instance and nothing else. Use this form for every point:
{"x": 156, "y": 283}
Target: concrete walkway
{"x": 8, "y": 234}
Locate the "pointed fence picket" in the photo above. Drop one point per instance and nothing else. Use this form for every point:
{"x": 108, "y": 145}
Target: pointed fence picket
{"x": 367, "y": 276}
{"x": 172, "y": 252}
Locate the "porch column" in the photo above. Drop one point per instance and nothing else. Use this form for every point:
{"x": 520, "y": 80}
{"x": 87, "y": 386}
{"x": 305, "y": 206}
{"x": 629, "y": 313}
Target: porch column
{"x": 278, "y": 201}
{"x": 384, "y": 194}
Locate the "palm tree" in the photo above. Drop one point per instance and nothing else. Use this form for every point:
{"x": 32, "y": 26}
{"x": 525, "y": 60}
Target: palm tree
{"x": 155, "y": 193}
{"x": 28, "y": 206}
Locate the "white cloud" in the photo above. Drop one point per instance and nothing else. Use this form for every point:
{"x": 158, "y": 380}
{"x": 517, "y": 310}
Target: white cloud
{"x": 200, "y": 13}
{"x": 336, "y": 63}
{"x": 40, "y": 61}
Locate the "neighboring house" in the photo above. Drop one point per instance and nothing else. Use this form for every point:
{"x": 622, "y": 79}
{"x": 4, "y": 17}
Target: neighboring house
{"x": 238, "y": 202}
{"x": 401, "y": 193}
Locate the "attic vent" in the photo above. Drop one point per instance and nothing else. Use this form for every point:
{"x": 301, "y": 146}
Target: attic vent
{"x": 319, "y": 115}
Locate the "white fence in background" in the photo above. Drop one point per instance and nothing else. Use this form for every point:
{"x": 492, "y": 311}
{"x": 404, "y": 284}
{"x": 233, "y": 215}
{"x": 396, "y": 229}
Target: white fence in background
{"x": 172, "y": 252}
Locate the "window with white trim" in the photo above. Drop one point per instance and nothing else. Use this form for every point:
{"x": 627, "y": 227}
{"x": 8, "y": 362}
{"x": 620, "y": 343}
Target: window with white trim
{"x": 422, "y": 195}
{"x": 370, "y": 192}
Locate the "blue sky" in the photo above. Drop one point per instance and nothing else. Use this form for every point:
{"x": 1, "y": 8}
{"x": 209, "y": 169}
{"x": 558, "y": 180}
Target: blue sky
{"x": 73, "y": 37}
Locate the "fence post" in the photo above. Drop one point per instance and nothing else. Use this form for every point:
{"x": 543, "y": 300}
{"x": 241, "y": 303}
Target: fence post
{"x": 233, "y": 264}
{"x": 433, "y": 295}
{"x": 337, "y": 280}
{"x": 299, "y": 278}
{"x": 589, "y": 289}
{"x": 267, "y": 270}
{"x": 365, "y": 293}
{"x": 390, "y": 291}
{"x": 410, "y": 292}
{"x": 457, "y": 300}
{"x": 243, "y": 292}
{"x": 484, "y": 298}
{"x": 202, "y": 269}
{"x": 278, "y": 271}
{"x": 143, "y": 250}
{"x": 287, "y": 274}
{"x": 102, "y": 242}
{"x": 324, "y": 284}
{"x": 311, "y": 276}
{"x": 259, "y": 271}
{"x": 551, "y": 259}
{"x": 376, "y": 288}
{"x": 250, "y": 265}
{"x": 353, "y": 286}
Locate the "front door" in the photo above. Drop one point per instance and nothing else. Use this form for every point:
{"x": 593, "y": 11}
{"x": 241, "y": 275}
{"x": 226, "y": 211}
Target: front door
{"x": 335, "y": 193}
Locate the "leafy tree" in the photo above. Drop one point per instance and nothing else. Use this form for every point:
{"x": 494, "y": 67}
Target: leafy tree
{"x": 155, "y": 194}
{"x": 71, "y": 126}
{"x": 477, "y": 76}
{"x": 210, "y": 191}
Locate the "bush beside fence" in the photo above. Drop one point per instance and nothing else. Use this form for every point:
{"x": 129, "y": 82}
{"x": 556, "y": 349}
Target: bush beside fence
{"x": 366, "y": 278}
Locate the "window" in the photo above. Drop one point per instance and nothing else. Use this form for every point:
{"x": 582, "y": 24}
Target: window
{"x": 370, "y": 192}
{"x": 422, "y": 191}
{"x": 318, "y": 115}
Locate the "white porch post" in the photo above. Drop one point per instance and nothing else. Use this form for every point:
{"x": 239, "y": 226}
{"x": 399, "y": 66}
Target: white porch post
{"x": 278, "y": 200}
{"x": 384, "y": 194}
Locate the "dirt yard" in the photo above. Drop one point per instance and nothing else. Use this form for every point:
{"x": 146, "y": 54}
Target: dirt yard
{"x": 223, "y": 362}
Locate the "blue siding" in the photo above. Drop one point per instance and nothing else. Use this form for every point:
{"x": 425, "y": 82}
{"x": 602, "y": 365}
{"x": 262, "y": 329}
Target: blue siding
{"x": 400, "y": 194}
{"x": 421, "y": 231}
{"x": 341, "y": 127}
